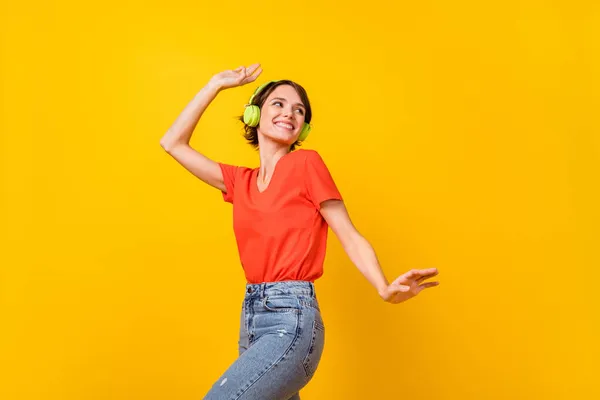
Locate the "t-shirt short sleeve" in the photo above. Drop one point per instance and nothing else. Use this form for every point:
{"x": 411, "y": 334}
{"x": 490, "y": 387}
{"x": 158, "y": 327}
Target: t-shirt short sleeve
{"x": 229, "y": 175}
{"x": 319, "y": 182}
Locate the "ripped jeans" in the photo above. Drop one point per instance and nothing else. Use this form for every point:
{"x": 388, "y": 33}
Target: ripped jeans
{"x": 281, "y": 341}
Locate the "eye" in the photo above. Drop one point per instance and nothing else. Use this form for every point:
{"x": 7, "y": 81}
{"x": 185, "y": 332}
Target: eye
{"x": 281, "y": 104}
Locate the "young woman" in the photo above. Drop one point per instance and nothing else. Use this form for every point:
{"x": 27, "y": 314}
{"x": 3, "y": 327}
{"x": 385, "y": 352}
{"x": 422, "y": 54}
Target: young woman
{"x": 281, "y": 214}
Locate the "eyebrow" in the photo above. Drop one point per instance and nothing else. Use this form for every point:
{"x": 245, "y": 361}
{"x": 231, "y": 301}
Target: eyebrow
{"x": 281, "y": 98}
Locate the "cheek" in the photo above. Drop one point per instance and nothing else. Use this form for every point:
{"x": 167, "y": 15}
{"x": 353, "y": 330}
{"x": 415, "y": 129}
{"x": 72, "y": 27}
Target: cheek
{"x": 266, "y": 116}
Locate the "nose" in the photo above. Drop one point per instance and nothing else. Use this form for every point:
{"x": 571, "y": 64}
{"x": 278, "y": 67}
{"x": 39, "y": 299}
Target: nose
{"x": 288, "y": 113}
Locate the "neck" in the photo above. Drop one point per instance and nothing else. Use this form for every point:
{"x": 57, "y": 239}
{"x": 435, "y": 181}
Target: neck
{"x": 270, "y": 152}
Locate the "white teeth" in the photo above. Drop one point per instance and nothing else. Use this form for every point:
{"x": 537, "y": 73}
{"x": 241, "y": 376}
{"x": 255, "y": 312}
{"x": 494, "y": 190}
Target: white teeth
{"x": 284, "y": 125}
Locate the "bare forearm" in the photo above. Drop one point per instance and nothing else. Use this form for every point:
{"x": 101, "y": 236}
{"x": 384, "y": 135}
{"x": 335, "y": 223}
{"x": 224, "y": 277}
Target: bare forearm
{"x": 363, "y": 255}
{"x": 183, "y": 127}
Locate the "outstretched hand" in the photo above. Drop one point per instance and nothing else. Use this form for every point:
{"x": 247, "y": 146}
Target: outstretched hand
{"x": 237, "y": 77}
{"x": 408, "y": 285}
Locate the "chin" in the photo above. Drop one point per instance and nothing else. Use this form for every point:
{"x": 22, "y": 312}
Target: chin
{"x": 283, "y": 139}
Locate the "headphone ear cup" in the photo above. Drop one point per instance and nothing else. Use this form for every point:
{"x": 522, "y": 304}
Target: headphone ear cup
{"x": 252, "y": 115}
{"x": 305, "y": 131}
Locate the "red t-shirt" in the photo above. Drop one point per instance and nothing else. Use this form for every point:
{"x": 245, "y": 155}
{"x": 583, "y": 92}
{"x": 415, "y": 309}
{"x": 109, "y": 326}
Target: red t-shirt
{"x": 280, "y": 233}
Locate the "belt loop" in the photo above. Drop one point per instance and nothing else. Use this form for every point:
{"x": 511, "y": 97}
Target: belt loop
{"x": 262, "y": 289}
{"x": 312, "y": 289}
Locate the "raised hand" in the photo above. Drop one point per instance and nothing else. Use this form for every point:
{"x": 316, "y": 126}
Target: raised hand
{"x": 408, "y": 285}
{"x": 237, "y": 77}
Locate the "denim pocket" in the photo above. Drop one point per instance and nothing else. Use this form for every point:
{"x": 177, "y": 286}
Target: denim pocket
{"x": 315, "y": 349}
{"x": 280, "y": 303}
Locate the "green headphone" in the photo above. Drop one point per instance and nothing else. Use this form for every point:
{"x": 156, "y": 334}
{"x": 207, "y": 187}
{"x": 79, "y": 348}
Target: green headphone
{"x": 252, "y": 114}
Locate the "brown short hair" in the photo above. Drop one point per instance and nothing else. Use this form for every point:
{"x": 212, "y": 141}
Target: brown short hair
{"x": 250, "y": 133}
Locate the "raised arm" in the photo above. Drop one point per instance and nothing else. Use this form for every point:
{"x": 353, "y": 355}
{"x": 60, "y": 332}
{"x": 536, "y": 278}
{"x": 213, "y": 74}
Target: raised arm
{"x": 176, "y": 141}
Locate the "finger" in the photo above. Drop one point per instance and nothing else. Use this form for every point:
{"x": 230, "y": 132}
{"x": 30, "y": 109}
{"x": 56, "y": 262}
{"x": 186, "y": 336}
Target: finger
{"x": 402, "y": 277}
{"x": 400, "y": 288}
{"x": 418, "y": 273}
{"x": 253, "y": 77}
{"x": 427, "y": 272}
{"x": 241, "y": 78}
{"x": 431, "y": 275}
{"x": 253, "y": 73}
{"x": 405, "y": 277}
{"x": 252, "y": 68}
{"x": 427, "y": 285}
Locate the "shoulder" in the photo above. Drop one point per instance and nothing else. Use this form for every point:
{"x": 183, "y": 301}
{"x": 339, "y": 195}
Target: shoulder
{"x": 308, "y": 156}
{"x": 235, "y": 170}
{"x": 311, "y": 162}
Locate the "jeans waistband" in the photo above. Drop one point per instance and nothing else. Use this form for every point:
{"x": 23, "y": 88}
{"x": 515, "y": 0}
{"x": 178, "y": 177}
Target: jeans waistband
{"x": 282, "y": 287}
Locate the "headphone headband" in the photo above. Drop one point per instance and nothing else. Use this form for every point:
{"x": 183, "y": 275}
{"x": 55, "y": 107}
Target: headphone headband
{"x": 257, "y": 91}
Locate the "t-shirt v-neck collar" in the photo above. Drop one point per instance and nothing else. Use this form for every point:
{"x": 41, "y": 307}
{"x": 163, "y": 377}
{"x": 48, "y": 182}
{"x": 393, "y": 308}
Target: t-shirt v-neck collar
{"x": 271, "y": 181}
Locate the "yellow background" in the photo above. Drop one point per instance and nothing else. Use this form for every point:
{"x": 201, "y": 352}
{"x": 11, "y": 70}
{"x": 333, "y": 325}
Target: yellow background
{"x": 464, "y": 135}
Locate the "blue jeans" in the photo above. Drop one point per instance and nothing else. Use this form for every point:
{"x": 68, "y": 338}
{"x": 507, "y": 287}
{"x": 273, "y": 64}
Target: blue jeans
{"x": 281, "y": 341}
